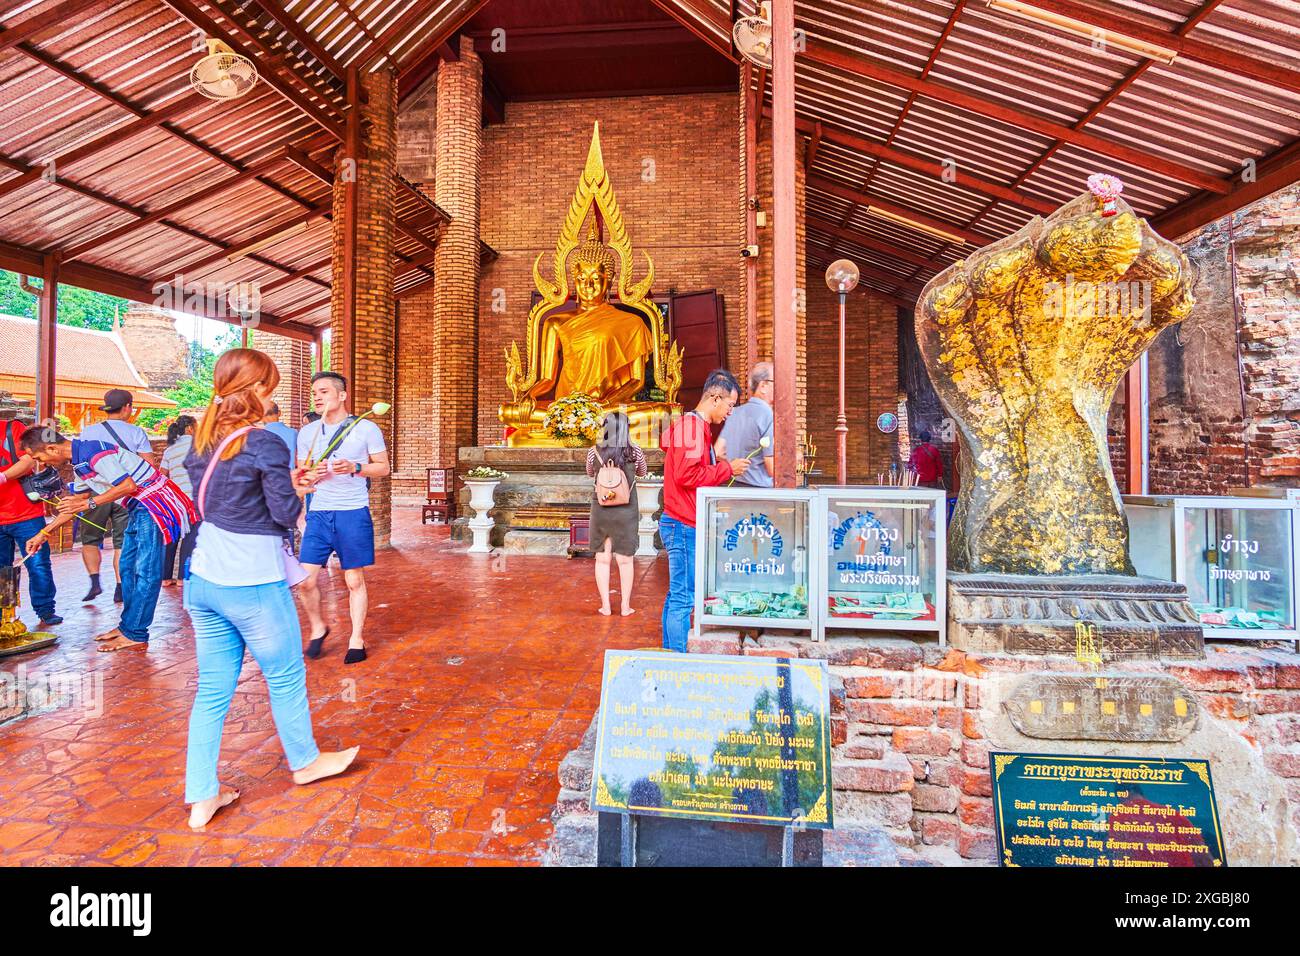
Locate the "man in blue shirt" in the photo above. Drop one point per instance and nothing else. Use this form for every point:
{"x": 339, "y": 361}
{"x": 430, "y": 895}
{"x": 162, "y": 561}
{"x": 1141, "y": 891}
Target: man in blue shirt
{"x": 282, "y": 431}
{"x": 743, "y": 433}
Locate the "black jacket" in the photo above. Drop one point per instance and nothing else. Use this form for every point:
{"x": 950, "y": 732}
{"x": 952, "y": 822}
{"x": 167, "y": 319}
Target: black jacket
{"x": 251, "y": 493}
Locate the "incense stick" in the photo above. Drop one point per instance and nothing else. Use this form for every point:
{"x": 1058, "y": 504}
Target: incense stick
{"x": 97, "y": 527}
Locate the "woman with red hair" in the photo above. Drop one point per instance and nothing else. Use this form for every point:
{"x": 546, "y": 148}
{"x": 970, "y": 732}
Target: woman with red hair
{"x": 236, "y": 591}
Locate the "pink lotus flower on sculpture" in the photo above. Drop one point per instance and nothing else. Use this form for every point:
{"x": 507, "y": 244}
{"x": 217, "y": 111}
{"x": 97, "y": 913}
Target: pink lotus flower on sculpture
{"x": 1107, "y": 189}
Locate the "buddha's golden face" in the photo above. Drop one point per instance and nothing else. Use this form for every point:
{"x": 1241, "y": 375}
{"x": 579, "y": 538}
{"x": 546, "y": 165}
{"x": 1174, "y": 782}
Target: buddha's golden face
{"x": 591, "y": 283}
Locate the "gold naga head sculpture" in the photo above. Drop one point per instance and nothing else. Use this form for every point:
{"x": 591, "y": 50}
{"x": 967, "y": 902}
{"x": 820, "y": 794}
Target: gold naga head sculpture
{"x": 1025, "y": 342}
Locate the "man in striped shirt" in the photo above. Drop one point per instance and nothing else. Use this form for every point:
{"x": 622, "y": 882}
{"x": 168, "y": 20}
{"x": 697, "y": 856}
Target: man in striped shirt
{"x": 159, "y": 513}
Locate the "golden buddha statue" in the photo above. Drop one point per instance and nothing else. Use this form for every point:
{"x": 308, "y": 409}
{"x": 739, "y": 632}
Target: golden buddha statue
{"x": 596, "y": 349}
{"x": 610, "y": 353}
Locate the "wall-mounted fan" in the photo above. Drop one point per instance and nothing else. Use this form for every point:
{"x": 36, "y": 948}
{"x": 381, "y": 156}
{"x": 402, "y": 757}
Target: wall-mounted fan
{"x": 753, "y": 37}
{"x": 223, "y": 74}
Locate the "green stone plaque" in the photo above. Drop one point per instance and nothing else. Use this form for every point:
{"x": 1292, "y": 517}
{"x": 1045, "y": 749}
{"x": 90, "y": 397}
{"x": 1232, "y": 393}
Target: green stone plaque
{"x": 714, "y": 737}
{"x": 1105, "y": 812}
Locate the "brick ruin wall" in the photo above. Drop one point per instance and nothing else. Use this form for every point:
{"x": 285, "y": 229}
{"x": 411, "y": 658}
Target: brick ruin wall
{"x": 1224, "y": 385}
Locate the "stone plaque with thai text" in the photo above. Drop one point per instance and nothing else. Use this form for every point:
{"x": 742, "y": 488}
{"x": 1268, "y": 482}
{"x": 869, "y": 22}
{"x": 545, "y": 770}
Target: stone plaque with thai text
{"x": 714, "y": 737}
{"x": 1154, "y": 708}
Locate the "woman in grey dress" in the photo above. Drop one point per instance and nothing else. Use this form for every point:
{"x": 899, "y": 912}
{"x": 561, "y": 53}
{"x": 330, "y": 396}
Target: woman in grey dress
{"x": 614, "y": 527}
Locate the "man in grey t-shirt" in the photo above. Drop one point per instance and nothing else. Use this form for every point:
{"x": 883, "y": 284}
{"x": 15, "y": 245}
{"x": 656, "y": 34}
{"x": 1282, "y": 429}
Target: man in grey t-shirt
{"x": 747, "y": 425}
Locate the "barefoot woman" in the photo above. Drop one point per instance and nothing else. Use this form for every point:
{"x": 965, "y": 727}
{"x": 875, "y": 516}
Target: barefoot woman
{"x": 614, "y": 535}
{"x": 236, "y": 593}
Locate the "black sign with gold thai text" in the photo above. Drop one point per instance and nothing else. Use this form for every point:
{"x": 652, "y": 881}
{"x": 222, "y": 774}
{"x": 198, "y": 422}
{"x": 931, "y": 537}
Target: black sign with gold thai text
{"x": 714, "y": 737}
{"x": 1107, "y": 812}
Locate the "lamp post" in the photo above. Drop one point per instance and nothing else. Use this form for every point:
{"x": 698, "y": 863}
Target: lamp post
{"x": 842, "y": 277}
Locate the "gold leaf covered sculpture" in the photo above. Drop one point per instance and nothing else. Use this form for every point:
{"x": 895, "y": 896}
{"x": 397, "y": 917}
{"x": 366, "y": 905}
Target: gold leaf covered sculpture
{"x": 1025, "y": 342}
{"x": 597, "y": 348}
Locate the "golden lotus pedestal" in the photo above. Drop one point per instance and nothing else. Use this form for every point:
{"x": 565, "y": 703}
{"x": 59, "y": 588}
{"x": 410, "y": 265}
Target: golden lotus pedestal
{"x": 14, "y": 636}
{"x": 646, "y": 421}
{"x": 545, "y": 488}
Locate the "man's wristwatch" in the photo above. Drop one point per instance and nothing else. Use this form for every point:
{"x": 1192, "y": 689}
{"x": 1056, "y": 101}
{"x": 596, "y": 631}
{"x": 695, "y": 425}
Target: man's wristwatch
{"x": 91, "y": 502}
{"x": 357, "y": 470}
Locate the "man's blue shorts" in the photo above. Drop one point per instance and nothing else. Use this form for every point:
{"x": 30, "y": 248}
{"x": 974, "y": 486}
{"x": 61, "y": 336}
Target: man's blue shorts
{"x": 349, "y": 534}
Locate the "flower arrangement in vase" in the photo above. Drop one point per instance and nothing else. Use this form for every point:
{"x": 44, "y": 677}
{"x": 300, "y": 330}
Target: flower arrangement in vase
{"x": 575, "y": 420}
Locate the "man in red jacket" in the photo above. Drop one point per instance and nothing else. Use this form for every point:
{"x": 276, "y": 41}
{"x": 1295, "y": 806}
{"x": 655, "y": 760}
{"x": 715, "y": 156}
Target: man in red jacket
{"x": 690, "y": 463}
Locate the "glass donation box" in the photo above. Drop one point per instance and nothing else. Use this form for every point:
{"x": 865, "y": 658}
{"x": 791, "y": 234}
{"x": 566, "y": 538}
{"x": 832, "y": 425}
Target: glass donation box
{"x": 883, "y": 555}
{"x": 751, "y": 558}
{"x": 1237, "y": 556}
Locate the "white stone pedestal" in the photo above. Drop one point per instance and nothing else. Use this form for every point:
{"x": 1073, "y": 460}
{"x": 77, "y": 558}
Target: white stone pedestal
{"x": 481, "y": 500}
{"x": 647, "y": 493}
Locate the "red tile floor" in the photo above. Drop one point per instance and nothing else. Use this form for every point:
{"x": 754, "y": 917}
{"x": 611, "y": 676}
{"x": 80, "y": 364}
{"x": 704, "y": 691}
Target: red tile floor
{"x": 484, "y": 672}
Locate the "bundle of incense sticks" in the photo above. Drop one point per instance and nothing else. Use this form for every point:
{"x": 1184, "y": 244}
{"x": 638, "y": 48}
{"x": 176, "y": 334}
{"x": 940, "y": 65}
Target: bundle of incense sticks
{"x": 896, "y": 479}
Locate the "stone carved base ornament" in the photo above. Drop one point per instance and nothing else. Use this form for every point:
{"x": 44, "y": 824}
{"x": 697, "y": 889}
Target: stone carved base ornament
{"x": 1100, "y": 617}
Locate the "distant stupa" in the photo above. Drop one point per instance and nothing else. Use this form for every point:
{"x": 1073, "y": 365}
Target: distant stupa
{"x": 159, "y": 353}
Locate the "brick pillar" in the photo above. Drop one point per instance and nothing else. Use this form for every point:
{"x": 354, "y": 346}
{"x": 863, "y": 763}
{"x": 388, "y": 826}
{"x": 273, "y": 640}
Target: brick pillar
{"x": 438, "y": 352}
{"x": 371, "y": 341}
{"x": 294, "y": 360}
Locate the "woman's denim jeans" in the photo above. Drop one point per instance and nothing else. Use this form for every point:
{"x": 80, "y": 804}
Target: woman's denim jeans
{"x": 679, "y": 541}
{"x": 226, "y": 619}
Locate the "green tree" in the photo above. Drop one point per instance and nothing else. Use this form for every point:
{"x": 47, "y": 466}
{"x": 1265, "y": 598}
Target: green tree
{"x": 78, "y": 308}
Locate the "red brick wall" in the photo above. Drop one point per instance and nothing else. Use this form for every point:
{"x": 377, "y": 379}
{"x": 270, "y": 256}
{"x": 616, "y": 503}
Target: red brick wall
{"x": 912, "y": 726}
{"x": 871, "y": 380}
{"x": 371, "y": 340}
{"x": 674, "y": 163}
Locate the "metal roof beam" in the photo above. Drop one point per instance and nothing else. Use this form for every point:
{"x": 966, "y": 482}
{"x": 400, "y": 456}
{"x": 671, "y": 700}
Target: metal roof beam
{"x": 52, "y": 168}
{"x": 225, "y": 249}
{"x": 1215, "y": 55}
{"x": 98, "y": 279}
{"x": 884, "y": 205}
{"x": 159, "y": 214}
{"x": 55, "y": 18}
{"x": 818, "y": 51}
{"x": 304, "y": 273}
{"x": 1279, "y": 171}
{"x": 100, "y": 90}
{"x": 832, "y": 134}
{"x": 695, "y": 16}
{"x": 295, "y": 29}
{"x": 407, "y": 22}
{"x": 866, "y": 241}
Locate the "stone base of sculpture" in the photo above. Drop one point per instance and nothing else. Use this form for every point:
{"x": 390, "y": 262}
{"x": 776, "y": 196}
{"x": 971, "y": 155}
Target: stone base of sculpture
{"x": 1101, "y": 617}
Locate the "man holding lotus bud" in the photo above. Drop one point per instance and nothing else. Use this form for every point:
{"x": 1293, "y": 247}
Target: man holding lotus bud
{"x": 340, "y": 453}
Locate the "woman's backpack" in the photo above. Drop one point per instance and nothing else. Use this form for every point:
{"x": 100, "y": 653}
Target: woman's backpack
{"x": 611, "y": 485}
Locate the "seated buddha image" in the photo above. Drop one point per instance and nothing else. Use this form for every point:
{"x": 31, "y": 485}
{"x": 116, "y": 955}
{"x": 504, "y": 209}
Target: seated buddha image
{"x": 596, "y": 348}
